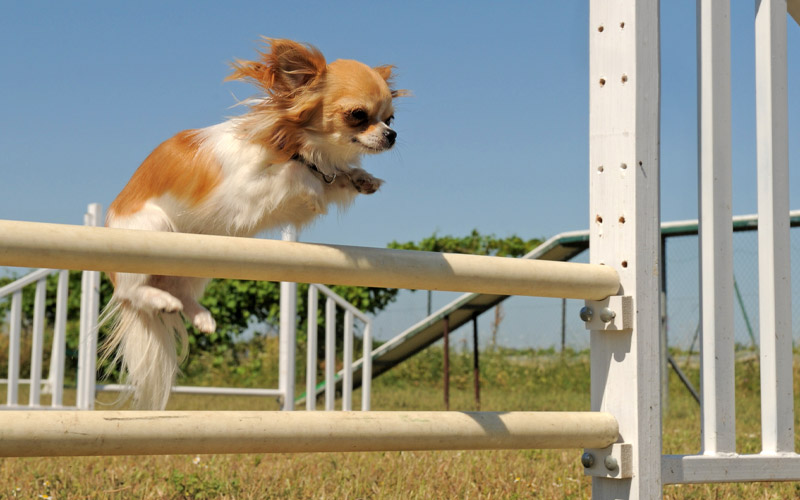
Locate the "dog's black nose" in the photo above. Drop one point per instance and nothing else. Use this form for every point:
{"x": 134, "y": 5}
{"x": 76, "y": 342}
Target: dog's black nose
{"x": 390, "y": 136}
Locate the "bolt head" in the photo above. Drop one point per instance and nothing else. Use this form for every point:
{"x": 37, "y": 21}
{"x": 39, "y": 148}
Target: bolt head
{"x": 611, "y": 463}
{"x": 586, "y": 314}
{"x": 587, "y": 459}
{"x": 606, "y": 315}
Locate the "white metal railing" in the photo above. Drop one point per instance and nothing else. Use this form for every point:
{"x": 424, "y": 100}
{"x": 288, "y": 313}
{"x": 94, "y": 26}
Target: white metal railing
{"x": 348, "y": 366}
{"x": 54, "y": 383}
{"x": 287, "y": 362}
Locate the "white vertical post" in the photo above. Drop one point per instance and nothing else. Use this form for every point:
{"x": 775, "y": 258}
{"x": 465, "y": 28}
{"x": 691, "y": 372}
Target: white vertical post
{"x": 90, "y": 309}
{"x": 624, "y": 228}
{"x": 311, "y": 354}
{"x": 366, "y": 369}
{"x": 347, "y": 363}
{"x": 330, "y": 354}
{"x": 715, "y": 229}
{"x": 14, "y": 334}
{"x": 288, "y": 333}
{"x": 774, "y": 278}
{"x": 58, "y": 355}
{"x": 80, "y": 396}
{"x": 37, "y": 343}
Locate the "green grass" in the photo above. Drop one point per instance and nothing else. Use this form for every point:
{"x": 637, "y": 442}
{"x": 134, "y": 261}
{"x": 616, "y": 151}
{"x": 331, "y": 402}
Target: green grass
{"x": 511, "y": 381}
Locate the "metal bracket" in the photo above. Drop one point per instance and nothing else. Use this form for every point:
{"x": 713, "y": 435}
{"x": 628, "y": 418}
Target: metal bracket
{"x": 615, "y": 462}
{"x": 614, "y": 313}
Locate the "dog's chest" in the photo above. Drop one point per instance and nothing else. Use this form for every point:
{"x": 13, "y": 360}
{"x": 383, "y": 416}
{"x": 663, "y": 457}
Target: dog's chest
{"x": 254, "y": 198}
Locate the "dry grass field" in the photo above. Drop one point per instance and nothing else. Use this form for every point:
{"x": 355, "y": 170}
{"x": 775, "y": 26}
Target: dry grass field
{"x": 528, "y": 381}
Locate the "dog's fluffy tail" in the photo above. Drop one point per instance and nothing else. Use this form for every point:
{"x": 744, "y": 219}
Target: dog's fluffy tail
{"x": 145, "y": 347}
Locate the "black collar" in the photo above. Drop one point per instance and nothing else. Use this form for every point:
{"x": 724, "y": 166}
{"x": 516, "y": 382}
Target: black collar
{"x": 328, "y": 179}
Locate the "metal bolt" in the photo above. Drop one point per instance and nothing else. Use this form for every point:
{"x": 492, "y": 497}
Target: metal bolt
{"x": 586, "y": 314}
{"x": 607, "y": 315}
{"x": 610, "y": 463}
{"x": 587, "y": 459}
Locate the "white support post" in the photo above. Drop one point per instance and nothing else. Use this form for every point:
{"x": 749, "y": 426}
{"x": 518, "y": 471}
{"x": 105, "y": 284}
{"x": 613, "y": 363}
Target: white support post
{"x": 774, "y": 278}
{"x": 366, "y": 368}
{"x": 311, "y": 354}
{"x": 80, "y": 396}
{"x": 715, "y": 230}
{"x": 288, "y": 333}
{"x": 56, "y": 375}
{"x": 330, "y": 354}
{"x": 347, "y": 363}
{"x": 14, "y": 333}
{"x": 37, "y": 343}
{"x": 90, "y": 309}
{"x": 624, "y": 229}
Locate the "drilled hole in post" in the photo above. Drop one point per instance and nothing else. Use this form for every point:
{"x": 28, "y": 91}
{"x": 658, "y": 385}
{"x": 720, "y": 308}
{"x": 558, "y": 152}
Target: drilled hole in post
{"x": 602, "y": 81}
{"x": 600, "y": 28}
{"x": 600, "y": 169}
{"x": 624, "y": 78}
{"x": 624, "y": 263}
{"x": 640, "y": 164}
{"x": 623, "y": 166}
{"x": 622, "y": 219}
{"x": 598, "y": 219}
{"x": 622, "y": 25}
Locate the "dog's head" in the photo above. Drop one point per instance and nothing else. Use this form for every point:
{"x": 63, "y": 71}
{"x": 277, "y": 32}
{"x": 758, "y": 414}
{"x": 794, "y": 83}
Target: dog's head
{"x": 339, "y": 110}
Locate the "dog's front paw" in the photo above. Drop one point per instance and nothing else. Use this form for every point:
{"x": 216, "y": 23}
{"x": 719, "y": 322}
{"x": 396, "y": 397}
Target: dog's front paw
{"x": 204, "y": 322}
{"x": 159, "y": 300}
{"x": 364, "y": 182}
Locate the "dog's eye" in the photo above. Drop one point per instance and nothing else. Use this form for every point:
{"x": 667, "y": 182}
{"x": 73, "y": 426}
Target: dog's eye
{"x": 358, "y": 116}
{"x": 388, "y": 121}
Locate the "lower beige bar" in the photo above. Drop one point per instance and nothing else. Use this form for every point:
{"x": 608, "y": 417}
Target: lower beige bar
{"x": 84, "y": 433}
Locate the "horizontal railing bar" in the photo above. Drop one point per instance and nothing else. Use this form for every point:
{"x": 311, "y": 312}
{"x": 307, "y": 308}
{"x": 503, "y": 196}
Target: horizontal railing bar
{"x": 36, "y": 434}
{"x": 31, "y": 244}
{"x": 24, "y": 381}
{"x": 343, "y": 303}
{"x": 187, "y": 389}
{"x": 26, "y": 280}
{"x": 728, "y": 468}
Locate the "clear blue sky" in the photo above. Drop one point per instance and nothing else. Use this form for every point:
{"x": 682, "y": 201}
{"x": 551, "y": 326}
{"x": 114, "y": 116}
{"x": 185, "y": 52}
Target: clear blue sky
{"x": 494, "y": 138}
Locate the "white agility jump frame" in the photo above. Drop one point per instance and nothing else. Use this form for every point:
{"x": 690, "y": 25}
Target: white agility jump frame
{"x": 622, "y": 435}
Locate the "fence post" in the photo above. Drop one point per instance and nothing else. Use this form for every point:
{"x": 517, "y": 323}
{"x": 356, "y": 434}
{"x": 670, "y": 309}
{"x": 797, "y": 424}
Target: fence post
{"x": 90, "y": 308}
{"x": 624, "y": 229}
{"x": 714, "y": 227}
{"x": 288, "y": 333}
{"x": 311, "y": 349}
{"x": 774, "y": 278}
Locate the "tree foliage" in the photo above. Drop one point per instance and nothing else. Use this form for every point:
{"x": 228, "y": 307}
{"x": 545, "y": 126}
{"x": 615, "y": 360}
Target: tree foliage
{"x": 474, "y": 243}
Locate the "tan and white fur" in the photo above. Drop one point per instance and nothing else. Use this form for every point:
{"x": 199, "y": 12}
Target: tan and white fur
{"x": 292, "y": 155}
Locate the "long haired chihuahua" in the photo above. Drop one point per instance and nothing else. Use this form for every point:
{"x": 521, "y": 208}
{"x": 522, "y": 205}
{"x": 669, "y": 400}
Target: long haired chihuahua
{"x": 295, "y": 152}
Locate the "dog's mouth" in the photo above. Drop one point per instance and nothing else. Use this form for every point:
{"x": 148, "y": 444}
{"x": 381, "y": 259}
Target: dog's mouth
{"x": 371, "y": 148}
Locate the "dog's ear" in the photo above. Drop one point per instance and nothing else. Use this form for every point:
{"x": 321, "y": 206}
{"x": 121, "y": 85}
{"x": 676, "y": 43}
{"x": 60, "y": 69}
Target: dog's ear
{"x": 284, "y": 68}
{"x": 295, "y": 65}
{"x": 387, "y": 73}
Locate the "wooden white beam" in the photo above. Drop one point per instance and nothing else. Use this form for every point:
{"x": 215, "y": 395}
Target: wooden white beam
{"x": 716, "y": 233}
{"x": 680, "y": 469}
{"x": 624, "y": 96}
{"x": 774, "y": 248}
